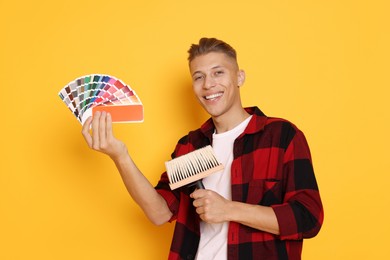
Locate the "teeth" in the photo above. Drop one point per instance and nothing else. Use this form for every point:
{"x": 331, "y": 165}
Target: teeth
{"x": 213, "y": 96}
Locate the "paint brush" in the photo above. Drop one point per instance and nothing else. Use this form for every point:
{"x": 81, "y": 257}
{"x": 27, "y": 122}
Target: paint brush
{"x": 191, "y": 168}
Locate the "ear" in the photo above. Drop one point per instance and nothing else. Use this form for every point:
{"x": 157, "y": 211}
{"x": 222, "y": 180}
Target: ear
{"x": 240, "y": 77}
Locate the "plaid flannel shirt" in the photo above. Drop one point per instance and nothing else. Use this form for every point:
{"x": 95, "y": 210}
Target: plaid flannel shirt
{"x": 271, "y": 167}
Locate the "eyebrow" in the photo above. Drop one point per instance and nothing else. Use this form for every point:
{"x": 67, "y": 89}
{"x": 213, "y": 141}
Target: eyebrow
{"x": 215, "y": 67}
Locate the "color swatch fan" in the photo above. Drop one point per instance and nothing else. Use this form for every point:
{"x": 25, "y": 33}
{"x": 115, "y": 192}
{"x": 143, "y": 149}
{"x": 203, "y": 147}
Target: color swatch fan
{"x": 88, "y": 94}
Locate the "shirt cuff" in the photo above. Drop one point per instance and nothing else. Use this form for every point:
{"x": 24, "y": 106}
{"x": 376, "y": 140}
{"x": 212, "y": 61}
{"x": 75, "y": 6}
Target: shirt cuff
{"x": 286, "y": 219}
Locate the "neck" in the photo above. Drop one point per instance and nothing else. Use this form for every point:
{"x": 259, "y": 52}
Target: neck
{"x": 228, "y": 122}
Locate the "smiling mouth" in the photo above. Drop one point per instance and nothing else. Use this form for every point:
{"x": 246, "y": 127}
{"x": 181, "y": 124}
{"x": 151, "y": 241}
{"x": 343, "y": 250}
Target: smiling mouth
{"x": 213, "y": 96}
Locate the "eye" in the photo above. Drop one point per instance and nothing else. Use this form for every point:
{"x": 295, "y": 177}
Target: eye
{"x": 197, "y": 77}
{"x": 219, "y": 72}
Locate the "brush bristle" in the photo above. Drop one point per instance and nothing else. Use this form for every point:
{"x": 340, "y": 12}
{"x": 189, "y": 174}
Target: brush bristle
{"x": 191, "y": 167}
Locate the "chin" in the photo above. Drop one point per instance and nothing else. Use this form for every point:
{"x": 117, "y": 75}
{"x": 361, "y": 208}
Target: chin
{"x": 213, "y": 112}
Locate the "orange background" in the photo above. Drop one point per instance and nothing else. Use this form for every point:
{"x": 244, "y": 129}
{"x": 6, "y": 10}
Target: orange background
{"x": 324, "y": 65}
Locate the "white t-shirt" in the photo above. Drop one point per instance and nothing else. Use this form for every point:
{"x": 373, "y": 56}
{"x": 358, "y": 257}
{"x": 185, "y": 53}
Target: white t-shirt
{"x": 213, "y": 238}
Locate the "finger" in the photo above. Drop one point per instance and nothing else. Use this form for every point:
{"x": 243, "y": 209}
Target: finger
{"x": 85, "y": 131}
{"x": 195, "y": 194}
{"x": 95, "y": 131}
{"x": 200, "y": 202}
{"x": 198, "y": 193}
{"x": 102, "y": 129}
{"x": 196, "y": 203}
{"x": 109, "y": 126}
{"x": 200, "y": 211}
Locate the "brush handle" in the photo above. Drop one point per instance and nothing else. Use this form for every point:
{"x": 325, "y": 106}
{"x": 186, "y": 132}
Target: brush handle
{"x": 199, "y": 184}
{"x": 196, "y": 185}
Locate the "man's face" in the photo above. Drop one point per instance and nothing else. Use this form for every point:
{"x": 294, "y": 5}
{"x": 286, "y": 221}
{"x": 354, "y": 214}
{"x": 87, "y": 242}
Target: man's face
{"x": 215, "y": 81}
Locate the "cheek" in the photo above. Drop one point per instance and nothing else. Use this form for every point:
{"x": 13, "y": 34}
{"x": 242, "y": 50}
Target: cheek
{"x": 196, "y": 88}
{"x": 225, "y": 81}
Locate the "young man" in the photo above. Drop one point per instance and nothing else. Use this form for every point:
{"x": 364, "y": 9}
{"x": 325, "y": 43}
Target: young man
{"x": 265, "y": 201}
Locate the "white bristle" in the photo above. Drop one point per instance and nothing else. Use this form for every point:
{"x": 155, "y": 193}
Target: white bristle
{"x": 192, "y": 167}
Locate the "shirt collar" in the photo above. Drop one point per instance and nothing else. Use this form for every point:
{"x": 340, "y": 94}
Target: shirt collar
{"x": 256, "y": 124}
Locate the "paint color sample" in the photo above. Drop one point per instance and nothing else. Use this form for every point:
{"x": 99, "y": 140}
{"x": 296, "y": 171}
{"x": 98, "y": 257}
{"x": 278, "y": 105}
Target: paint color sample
{"x": 96, "y": 92}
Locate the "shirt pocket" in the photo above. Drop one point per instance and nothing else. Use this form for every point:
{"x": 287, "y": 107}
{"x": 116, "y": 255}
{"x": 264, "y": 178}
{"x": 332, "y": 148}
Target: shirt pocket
{"x": 264, "y": 192}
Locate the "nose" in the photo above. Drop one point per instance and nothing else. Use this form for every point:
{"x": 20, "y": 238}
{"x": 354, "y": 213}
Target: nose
{"x": 209, "y": 82}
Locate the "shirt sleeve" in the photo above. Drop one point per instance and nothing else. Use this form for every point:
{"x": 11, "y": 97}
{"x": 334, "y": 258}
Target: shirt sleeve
{"x": 301, "y": 213}
{"x": 173, "y": 197}
{"x": 169, "y": 196}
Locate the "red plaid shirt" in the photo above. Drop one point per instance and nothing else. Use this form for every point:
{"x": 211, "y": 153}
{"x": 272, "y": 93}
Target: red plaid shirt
{"x": 271, "y": 167}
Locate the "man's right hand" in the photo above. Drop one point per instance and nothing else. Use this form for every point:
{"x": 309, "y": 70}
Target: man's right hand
{"x": 98, "y": 134}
